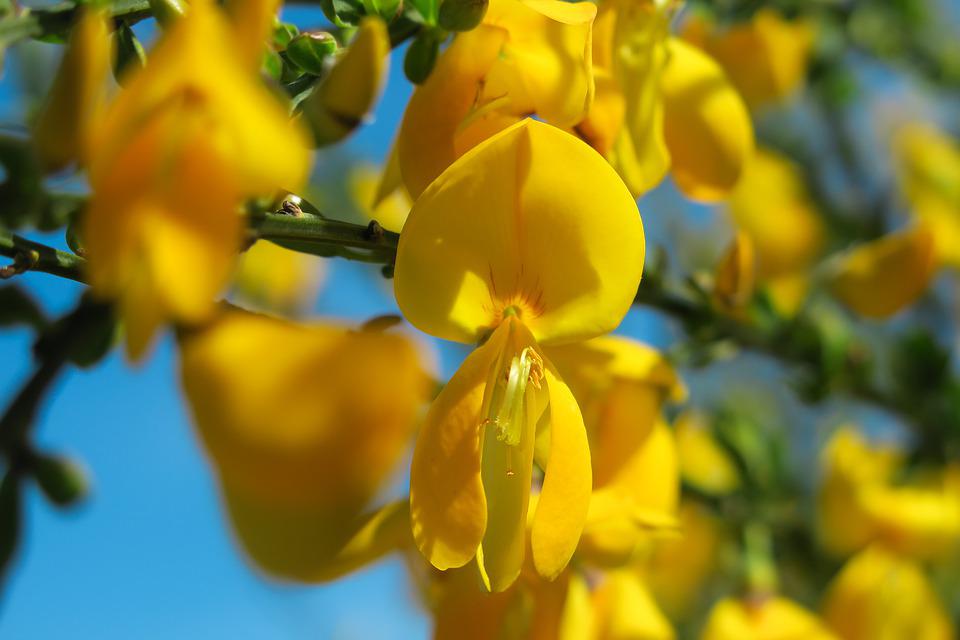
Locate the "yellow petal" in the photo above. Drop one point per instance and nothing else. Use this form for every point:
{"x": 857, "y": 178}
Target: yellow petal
{"x": 565, "y": 497}
{"x": 604, "y": 122}
{"x": 703, "y": 462}
{"x": 77, "y": 97}
{"x": 389, "y": 209}
{"x": 427, "y": 137}
{"x": 772, "y": 205}
{"x": 252, "y": 25}
{"x": 772, "y": 618}
{"x": 625, "y": 610}
{"x": 314, "y": 545}
{"x": 273, "y": 278}
{"x": 447, "y": 504}
{"x": 533, "y": 219}
{"x": 350, "y": 90}
{"x": 545, "y": 65}
{"x": 928, "y": 164}
{"x": 707, "y": 127}
{"x": 766, "y": 58}
{"x": 881, "y": 277}
{"x": 880, "y": 595}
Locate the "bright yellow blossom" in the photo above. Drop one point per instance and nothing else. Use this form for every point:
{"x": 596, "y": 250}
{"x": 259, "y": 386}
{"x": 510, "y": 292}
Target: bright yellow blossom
{"x": 277, "y": 279}
{"x": 928, "y": 164}
{"x": 303, "y": 425}
{"x": 528, "y": 239}
{"x": 881, "y": 277}
{"x": 735, "y": 277}
{"x": 662, "y": 105}
{"x": 78, "y": 94}
{"x": 859, "y": 502}
{"x": 772, "y": 206}
{"x": 624, "y": 609}
{"x": 391, "y": 209}
{"x": 766, "y": 58}
{"x": 527, "y": 57}
{"x": 704, "y": 464}
{"x": 170, "y": 164}
{"x": 880, "y": 596}
{"x": 763, "y": 618}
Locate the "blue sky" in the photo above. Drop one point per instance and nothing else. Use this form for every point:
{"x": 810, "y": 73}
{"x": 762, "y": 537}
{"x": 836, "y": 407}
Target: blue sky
{"x": 149, "y": 553}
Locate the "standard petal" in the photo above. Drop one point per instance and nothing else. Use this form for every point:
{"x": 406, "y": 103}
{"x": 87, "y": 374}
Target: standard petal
{"x": 448, "y": 509}
{"x": 707, "y": 127}
{"x": 565, "y": 497}
{"x": 532, "y": 219}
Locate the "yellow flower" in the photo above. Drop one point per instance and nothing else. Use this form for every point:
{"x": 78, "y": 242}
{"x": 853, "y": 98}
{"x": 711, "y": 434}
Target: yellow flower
{"x": 765, "y": 58}
{"x": 78, "y": 94}
{"x": 351, "y": 88}
{"x": 621, "y": 387}
{"x": 880, "y": 596}
{"x": 881, "y": 277}
{"x": 277, "y": 279}
{"x": 678, "y": 567}
{"x": 859, "y": 503}
{"x": 303, "y": 425}
{"x": 766, "y": 618}
{"x": 772, "y": 206}
{"x": 390, "y": 209}
{"x": 928, "y": 164}
{"x": 624, "y": 609}
{"x": 662, "y": 105}
{"x": 527, "y": 57}
{"x": 528, "y": 239}
{"x": 170, "y": 164}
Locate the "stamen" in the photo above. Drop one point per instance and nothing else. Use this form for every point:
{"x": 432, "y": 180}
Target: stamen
{"x": 507, "y": 411}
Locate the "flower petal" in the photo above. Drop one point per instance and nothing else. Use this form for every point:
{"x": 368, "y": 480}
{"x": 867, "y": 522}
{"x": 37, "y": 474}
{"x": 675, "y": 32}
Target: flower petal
{"x": 448, "y": 508}
{"x": 531, "y": 218}
{"x": 706, "y": 125}
{"x": 565, "y": 497}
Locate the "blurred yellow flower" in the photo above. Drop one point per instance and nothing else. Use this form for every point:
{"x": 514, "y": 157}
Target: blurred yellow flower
{"x": 662, "y": 105}
{"x": 879, "y": 278}
{"x": 928, "y": 164}
{"x": 880, "y": 596}
{"x": 772, "y": 206}
{"x": 528, "y": 239}
{"x": 78, "y": 95}
{"x": 303, "y": 425}
{"x": 170, "y": 164}
{"x": 624, "y": 609}
{"x": 766, "y": 57}
{"x": 351, "y": 88}
{"x": 621, "y": 387}
{"x": 860, "y": 504}
{"x": 527, "y": 57}
{"x": 272, "y": 278}
{"x": 762, "y": 618}
{"x": 390, "y": 209}
{"x": 679, "y": 567}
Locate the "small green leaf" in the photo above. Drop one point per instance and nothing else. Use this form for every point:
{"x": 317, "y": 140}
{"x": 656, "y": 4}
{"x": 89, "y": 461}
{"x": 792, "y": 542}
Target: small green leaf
{"x": 462, "y": 15}
{"x": 422, "y": 55}
{"x": 283, "y": 33}
{"x": 16, "y": 307}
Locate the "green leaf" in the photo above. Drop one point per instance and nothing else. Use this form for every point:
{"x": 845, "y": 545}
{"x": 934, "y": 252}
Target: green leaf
{"x": 17, "y": 307}
{"x": 283, "y": 33}
{"x": 427, "y": 9}
{"x": 21, "y": 194}
{"x": 309, "y": 51}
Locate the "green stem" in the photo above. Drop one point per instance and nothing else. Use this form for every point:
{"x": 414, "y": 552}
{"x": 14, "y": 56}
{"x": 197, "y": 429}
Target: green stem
{"x": 321, "y": 236}
{"x": 41, "y": 257}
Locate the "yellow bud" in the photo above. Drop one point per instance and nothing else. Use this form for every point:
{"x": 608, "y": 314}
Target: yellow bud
{"x": 767, "y": 618}
{"x": 703, "y": 462}
{"x": 78, "y": 95}
{"x": 352, "y": 86}
{"x": 881, "y": 277}
{"x": 278, "y": 279}
{"x": 736, "y": 274}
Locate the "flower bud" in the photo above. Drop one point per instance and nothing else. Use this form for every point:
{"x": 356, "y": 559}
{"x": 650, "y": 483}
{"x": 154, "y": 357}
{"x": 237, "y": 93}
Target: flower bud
{"x": 462, "y": 15}
{"x": 421, "y": 56}
{"x": 309, "y": 50}
{"x": 63, "y": 481}
{"x": 349, "y": 90}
